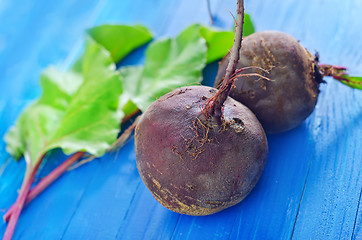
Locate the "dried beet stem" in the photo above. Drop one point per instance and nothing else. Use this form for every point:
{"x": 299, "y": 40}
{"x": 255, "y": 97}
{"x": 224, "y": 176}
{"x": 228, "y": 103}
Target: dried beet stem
{"x": 214, "y": 109}
{"x": 339, "y": 73}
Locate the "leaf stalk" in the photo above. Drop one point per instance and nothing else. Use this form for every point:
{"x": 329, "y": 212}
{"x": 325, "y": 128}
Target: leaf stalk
{"x": 20, "y": 201}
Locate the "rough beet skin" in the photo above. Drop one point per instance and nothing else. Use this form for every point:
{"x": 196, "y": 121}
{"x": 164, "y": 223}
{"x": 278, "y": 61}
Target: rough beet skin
{"x": 290, "y": 95}
{"x": 193, "y": 165}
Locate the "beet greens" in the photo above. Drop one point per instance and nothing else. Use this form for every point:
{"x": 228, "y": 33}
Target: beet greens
{"x": 74, "y": 106}
{"x": 81, "y": 110}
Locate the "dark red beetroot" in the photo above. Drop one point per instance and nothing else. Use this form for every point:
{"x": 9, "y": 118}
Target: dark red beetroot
{"x": 284, "y": 101}
{"x": 199, "y": 151}
{"x": 198, "y": 167}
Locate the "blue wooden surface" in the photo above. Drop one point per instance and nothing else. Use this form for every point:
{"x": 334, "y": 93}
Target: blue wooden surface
{"x": 311, "y": 186}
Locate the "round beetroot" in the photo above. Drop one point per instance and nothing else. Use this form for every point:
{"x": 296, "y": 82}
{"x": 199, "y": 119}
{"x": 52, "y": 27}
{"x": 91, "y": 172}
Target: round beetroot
{"x": 193, "y": 165}
{"x": 290, "y": 95}
{"x": 199, "y": 151}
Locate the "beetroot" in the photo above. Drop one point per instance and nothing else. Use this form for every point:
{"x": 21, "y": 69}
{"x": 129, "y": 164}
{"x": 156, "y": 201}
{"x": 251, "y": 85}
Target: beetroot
{"x": 193, "y": 165}
{"x": 199, "y": 151}
{"x": 290, "y": 93}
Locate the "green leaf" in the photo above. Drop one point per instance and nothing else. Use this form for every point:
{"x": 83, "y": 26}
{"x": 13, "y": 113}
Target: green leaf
{"x": 248, "y": 27}
{"x": 76, "y": 112}
{"x": 218, "y": 42}
{"x": 120, "y": 40}
{"x": 351, "y": 81}
{"x": 131, "y": 76}
{"x": 15, "y": 144}
{"x": 170, "y": 63}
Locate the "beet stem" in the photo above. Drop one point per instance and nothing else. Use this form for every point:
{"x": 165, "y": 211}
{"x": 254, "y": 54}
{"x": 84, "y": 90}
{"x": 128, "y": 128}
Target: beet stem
{"x": 215, "y": 107}
{"x": 44, "y": 183}
{"x": 339, "y": 73}
{"x": 57, "y": 172}
{"x": 124, "y": 136}
{"x": 20, "y": 201}
{"x": 332, "y": 70}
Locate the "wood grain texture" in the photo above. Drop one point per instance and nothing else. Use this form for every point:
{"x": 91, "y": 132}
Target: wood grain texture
{"x": 312, "y": 184}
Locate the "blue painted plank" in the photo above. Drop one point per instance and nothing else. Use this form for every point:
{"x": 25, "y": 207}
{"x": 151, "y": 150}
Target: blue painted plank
{"x": 334, "y": 219}
{"x": 330, "y": 199}
{"x": 35, "y": 35}
{"x": 311, "y": 185}
{"x": 357, "y": 228}
{"x": 146, "y": 218}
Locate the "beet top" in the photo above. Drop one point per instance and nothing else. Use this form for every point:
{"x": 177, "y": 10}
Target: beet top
{"x": 290, "y": 95}
{"x": 193, "y": 165}
{"x": 198, "y": 150}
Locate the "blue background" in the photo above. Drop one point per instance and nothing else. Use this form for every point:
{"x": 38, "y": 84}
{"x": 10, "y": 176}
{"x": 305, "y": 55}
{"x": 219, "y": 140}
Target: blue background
{"x": 311, "y": 186}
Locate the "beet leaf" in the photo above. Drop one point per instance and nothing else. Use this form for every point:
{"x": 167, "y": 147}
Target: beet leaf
{"x": 76, "y": 112}
{"x": 218, "y": 42}
{"x": 173, "y": 63}
{"x": 120, "y": 40}
{"x": 248, "y": 25}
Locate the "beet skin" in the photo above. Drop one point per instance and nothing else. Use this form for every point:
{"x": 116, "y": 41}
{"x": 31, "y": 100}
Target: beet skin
{"x": 290, "y": 95}
{"x": 192, "y": 165}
